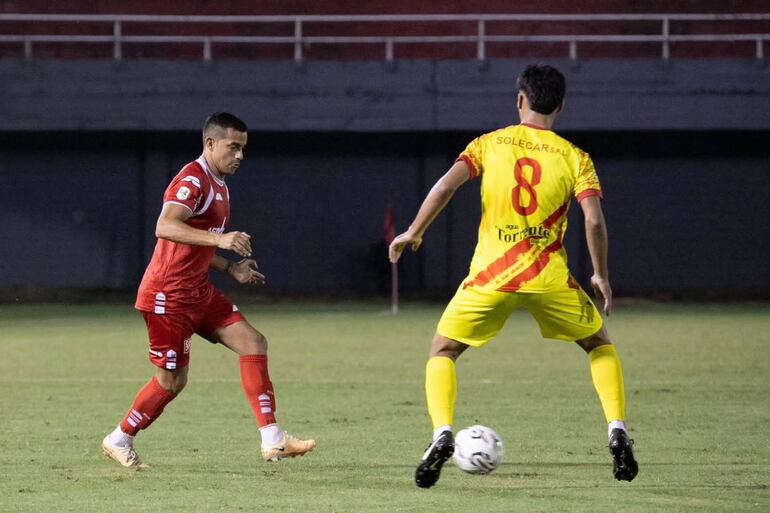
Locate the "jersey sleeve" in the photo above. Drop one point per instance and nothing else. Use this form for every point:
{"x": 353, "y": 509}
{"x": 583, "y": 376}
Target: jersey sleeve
{"x": 472, "y": 156}
{"x": 186, "y": 189}
{"x": 587, "y": 183}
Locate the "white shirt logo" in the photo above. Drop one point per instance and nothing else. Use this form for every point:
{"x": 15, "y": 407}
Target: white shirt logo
{"x": 192, "y": 180}
{"x": 183, "y": 193}
{"x": 218, "y": 197}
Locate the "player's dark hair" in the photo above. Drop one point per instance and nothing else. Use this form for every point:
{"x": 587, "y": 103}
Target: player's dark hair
{"x": 544, "y": 86}
{"x": 223, "y": 121}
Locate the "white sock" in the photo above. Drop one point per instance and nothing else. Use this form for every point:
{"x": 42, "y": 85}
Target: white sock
{"x": 441, "y": 429}
{"x": 120, "y": 439}
{"x": 271, "y": 434}
{"x": 616, "y": 424}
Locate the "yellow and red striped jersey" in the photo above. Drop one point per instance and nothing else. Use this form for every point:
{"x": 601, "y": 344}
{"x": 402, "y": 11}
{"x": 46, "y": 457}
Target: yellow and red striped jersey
{"x": 528, "y": 177}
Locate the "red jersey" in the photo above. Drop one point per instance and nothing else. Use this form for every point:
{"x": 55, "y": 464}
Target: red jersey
{"x": 177, "y": 278}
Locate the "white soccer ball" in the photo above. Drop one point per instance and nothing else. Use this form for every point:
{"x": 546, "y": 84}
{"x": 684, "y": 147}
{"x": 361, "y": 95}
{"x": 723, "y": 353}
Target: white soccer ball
{"x": 478, "y": 450}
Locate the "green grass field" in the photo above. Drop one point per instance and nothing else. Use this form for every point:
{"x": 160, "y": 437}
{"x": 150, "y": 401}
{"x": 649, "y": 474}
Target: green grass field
{"x": 350, "y": 375}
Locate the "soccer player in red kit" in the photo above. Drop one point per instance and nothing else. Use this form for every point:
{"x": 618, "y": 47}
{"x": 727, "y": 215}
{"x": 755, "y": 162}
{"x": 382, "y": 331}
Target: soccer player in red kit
{"x": 177, "y": 299}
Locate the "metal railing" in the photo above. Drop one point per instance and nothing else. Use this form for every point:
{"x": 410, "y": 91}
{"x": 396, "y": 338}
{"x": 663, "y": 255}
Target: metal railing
{"x": 298, "y": 39}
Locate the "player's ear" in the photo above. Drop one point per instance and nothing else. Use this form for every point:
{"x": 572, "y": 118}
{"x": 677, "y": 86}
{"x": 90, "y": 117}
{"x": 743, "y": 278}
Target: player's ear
{"x": 520, "y": 101}
{"x": 560, "y": 107}
{"x": 208, "y": 143}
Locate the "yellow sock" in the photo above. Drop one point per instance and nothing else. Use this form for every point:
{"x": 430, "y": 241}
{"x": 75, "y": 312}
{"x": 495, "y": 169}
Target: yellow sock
{"x": 440, "y": 389}
{"x": 607, "y": 375}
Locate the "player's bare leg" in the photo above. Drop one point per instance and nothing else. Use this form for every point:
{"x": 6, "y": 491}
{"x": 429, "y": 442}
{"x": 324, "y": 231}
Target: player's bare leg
{"x": 147, "y": 406}
{"x": 251, "y": 347}
{"x": 607, "y": 375}
{"x": 440, "y": 393}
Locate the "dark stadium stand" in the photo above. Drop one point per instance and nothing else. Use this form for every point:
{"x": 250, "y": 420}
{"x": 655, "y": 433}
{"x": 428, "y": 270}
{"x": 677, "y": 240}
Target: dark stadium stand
{"x": 680, "y": 142}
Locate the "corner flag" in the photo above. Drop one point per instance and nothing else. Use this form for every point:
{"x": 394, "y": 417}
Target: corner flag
{"x": 389, "y": 233}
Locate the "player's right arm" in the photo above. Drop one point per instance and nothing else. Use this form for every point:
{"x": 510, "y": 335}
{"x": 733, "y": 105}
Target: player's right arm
{"x": 172, "y": 226}
{"x": 434, "y": 203}
{"x": 596, "y": 238}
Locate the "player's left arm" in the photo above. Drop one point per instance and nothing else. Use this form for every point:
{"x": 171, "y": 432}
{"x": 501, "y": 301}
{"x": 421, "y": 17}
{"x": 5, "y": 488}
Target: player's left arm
{"x": 596, "y": 238}
{"x": 434, "y": 203}
{"x": 244, "y": 272}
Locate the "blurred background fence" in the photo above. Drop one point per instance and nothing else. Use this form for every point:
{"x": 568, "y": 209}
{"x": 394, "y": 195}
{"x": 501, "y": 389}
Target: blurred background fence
{"x": 389, "y": 36}
{"x": 349, "y": 114}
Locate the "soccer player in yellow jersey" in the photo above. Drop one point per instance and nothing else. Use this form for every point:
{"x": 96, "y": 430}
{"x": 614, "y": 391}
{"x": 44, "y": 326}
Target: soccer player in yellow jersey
{"x": 528, "y": 178}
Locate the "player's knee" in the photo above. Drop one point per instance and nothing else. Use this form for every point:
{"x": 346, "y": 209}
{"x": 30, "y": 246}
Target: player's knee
{"x": 446, "y": 347}
{"x": 599, "y": 338}
{"x": 173, "y": 381}
{"x": 446, "y": 353}
{"x": 255, "y": 343}
{"x": 179, "y": 383}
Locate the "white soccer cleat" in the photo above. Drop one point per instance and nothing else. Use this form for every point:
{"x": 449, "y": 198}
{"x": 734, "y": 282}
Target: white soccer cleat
{"x": 289, "y": 447}
{"x": 126, "y": 456}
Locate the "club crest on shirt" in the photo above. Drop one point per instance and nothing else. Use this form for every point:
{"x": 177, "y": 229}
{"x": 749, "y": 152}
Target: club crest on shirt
{"x": 218, "y": 197}
{"x": 187, "y": 343}
{"x": 183, "y": 193}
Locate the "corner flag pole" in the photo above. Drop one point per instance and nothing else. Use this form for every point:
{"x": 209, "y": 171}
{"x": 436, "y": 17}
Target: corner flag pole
{"x": 389, "y": 232}
{"x": 394, "y": 288}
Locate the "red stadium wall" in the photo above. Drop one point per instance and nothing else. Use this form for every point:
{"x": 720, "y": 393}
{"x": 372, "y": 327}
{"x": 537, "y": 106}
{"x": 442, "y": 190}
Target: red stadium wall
{"x": 246, "y": 7}
{"x": 741, "y": 49}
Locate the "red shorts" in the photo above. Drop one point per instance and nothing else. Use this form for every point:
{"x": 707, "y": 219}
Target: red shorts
{"x": 170, "y": 334}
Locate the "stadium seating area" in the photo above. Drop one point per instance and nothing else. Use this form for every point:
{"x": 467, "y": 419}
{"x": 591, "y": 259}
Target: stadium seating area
{"x": 22, "y": 37}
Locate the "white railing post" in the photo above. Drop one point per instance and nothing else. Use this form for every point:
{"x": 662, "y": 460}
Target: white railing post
{"x": 117, "y": 51}
{"x": 667, "y": 38}
{"x": 298, "y": 40}
{"x": 207, "y": 49}
{"x": 481, "y": 53}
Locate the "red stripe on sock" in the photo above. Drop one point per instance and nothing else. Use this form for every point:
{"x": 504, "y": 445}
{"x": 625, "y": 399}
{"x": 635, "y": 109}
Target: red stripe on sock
{"x": 149, "y": 403}
{"x": 256, "y": 384}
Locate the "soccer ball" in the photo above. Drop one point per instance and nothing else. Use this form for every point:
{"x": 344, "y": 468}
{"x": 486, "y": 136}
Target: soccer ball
{"x": 478, "y": 450}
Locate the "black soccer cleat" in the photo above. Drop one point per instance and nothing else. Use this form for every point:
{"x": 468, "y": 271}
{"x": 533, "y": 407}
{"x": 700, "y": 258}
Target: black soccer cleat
{"x": 437, "y": 453}
{"x": 624, "y": 465}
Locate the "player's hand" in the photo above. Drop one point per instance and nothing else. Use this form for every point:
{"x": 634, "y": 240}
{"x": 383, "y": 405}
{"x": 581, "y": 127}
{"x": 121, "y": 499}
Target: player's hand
{"x": 245, "y": 272}
{"x": 400, "y": 242}
{"x": 239, "y": 242}
{"x": 603, "y": 291}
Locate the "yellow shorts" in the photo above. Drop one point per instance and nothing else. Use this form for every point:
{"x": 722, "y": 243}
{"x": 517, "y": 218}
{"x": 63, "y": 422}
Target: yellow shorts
{"x": 475, "y": 316}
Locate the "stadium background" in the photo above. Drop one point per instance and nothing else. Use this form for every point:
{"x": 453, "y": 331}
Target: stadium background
{"x": 88, "y": 144}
